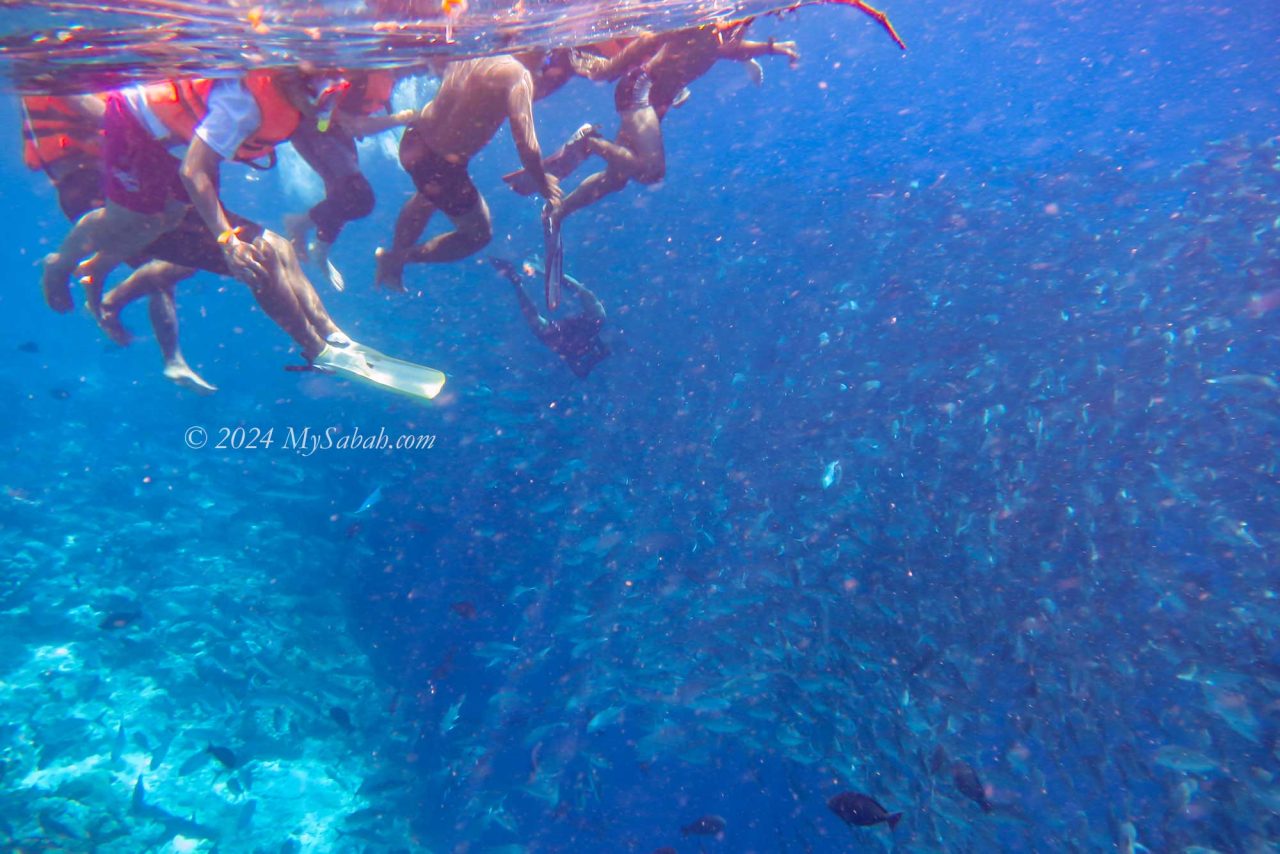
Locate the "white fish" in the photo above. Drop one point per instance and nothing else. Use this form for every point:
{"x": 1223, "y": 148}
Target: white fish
{"x": 450, "y": 719}
{"x": 370, "y": 502}
{"x": 603, "y": 719}
{"x": 1184, "y": 759}
{"x": 1246, "y": 380}
{"x": 1234, "y": 709}
{"x": 831, "y": 477}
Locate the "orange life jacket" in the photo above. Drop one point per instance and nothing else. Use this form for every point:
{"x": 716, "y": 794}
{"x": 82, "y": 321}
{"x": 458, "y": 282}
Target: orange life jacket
{"x": 182, "y": 104}
{"x": 52, "y": 130}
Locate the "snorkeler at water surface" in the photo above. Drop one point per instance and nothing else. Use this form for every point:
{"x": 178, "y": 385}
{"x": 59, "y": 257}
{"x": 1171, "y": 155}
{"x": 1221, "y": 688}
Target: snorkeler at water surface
{"x": 475, "y": 97}
{"x": 357, "y": 106}
{"x": 653, "y": 74}
{"x": 62, "y": 136}
{"x": 145, "y": 187}
{"x": 148, "y": 190}
{"x": 157, "y": 205}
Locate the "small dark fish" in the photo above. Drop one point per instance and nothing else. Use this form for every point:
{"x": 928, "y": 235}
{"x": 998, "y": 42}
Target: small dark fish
{"x": 119, "y": 620}
{"x": 223, "y": 755}
{"x": 28, "y": 347}
{"x": 970, "y": 784}
{"x": 60, "y": 393}
{"x": 855, "y": 808}
{"x": 341, "y": 718}
{"x": 138, "y": 804}
{"x": 708, "y": 825}
{"x": 666, "y": 849}
{"x": 465, "y": 610}
{"x": 377, "y": 787}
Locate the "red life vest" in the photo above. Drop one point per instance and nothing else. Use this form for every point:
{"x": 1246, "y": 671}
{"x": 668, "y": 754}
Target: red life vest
{"x": 182, "y": 104}
{"x": 52, "y": 130}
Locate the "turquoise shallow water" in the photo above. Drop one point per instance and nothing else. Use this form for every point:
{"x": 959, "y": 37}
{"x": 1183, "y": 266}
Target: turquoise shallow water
{"x": 938, "y": 437}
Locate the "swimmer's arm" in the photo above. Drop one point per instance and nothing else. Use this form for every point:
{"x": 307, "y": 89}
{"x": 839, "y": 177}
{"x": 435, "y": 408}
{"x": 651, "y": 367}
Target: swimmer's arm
{"x": 525, "y": 135}
{"x": 200, "y": 178}
{"x": 745, "y": 50}
{"x": 591, "y": 305}
{"x": 640, "y": 51}
{"x": 362, "y": 126}
{"x": 536, "y": 321}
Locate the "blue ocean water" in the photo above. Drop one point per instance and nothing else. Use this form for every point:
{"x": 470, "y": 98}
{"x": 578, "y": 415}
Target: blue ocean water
{"x": 1019, "y": 282}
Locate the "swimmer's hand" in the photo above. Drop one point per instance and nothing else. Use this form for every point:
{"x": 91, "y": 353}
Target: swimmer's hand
{"x": 506, "y": 269}
{"x": 588, "y": 65}
{"x": 245, "y": 261}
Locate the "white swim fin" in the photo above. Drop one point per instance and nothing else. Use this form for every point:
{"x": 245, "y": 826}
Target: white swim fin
{"x": 367, "y": 365}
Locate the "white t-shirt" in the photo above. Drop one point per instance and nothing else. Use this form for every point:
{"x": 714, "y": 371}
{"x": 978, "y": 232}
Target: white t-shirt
{"x": 233, "y": 116}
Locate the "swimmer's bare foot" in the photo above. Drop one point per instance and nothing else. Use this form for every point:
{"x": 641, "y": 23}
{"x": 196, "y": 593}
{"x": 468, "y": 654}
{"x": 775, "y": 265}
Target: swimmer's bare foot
{"x": 320, "y": 250}
{"x": 296, "y": 228}
{"x": 92, "y": 294}
{"x": 177, "y": 370}
{"x": 390, "y": 270}
{"x": 109, "y": 319}
{"x": 54, "y": 280}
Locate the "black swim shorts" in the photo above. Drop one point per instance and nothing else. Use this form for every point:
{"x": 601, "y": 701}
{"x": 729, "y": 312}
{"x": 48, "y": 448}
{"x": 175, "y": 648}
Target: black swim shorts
{"x": 443, "y": 182}
{"x": 632, "y": 91}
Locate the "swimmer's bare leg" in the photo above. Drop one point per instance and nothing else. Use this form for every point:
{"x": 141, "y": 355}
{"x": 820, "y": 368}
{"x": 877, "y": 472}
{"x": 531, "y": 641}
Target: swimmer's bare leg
{"x": 472, "y": 231}
{"x": 164, "y": 320}
{"x": 283, "y": 264}
{"x": 109, "y": 234}
{"x": 592, "y": 189}
{"x": 620, "y": 157}
{"x": 279, "y": 295}
{"x": 296, "y": 228}
{"x": 412, "y": 221}
{"x": 638, "y": 151}
{"x": 151, "y": 278}
{"x": 638, "y": 154}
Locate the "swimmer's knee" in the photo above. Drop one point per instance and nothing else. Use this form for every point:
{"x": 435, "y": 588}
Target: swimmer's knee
{"x": 615, "y": 180}
{"x": 357, "y": 197}
{"x": 651, "y": 174}
{"x": 480, "y": 225}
